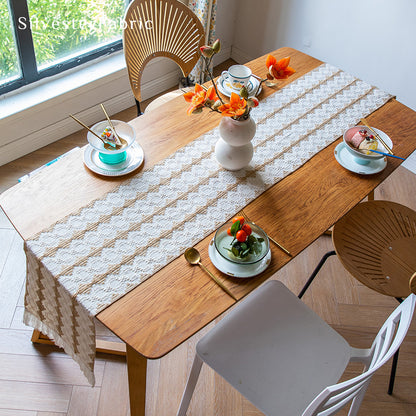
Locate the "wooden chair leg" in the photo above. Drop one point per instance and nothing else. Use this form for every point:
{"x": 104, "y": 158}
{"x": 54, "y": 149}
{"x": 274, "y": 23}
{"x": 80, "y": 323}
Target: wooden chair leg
{"x": 104, "y": 347}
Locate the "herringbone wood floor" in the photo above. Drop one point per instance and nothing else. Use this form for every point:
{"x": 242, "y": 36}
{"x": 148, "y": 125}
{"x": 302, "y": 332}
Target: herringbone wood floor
{"x": 43, "y": 381}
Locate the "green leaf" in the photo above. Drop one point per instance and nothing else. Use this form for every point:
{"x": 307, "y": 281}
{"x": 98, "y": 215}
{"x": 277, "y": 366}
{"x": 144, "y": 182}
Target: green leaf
{"x": 257, "y": 247}
{"x": 245, "y": 253}
{"x": 235, "y": 227}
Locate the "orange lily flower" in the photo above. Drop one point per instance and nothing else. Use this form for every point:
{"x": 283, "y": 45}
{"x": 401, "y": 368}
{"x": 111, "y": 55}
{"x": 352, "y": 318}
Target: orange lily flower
{"x": 236, "y": 107}
{"x": 199, "y": 97}
{"x": 279, "y": 69}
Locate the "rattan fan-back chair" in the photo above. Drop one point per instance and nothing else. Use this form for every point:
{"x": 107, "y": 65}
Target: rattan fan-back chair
{"x": 412, "y": 283}
{"x": 164, "y": 28}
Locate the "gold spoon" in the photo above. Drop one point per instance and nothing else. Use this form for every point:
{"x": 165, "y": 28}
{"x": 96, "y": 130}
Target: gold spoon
{"x": 121, "y": 142}
{"x": 118, "y": 146}
{"x": 377, "y": 136}
{"x": 193, "y": 257}
{"x": 106, "y": 145}
{"x": 111, "y": 125}
{"x": 270, "y": 238}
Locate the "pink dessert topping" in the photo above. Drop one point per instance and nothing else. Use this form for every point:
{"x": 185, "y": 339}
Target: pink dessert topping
{"x": 362, "y": 140}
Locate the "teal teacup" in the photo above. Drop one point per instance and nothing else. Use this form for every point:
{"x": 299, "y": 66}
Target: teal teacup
{"x": 112, "y": 159}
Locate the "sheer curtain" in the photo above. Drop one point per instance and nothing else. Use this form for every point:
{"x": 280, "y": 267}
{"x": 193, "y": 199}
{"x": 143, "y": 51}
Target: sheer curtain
{"x": 206, "y": 10}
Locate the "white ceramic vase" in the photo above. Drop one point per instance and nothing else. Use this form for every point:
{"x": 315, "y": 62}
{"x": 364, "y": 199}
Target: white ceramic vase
{"x": 233, "y": 149}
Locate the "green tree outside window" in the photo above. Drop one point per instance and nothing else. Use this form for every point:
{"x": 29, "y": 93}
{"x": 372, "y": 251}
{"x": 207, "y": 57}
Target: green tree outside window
{"x": 60, "y": 29}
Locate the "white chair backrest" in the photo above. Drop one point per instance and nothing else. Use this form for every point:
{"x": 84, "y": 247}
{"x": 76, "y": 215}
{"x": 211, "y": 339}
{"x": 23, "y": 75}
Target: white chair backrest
{"x": 386, "y": 343}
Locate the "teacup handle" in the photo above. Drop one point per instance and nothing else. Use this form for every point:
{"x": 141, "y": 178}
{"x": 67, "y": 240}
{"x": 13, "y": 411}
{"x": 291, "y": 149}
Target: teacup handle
{"x": 225, "y": 74}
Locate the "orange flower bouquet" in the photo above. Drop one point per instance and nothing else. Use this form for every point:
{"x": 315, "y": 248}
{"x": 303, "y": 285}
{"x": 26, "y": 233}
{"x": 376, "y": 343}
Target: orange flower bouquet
{"x": 239, "y": 106}
{"x": 233, "y": 149}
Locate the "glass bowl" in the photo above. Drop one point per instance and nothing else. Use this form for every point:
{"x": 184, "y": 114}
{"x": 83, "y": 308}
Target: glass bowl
{"x": 361, "y": 156}
{"x": 110, "y": 156}
{"x": 222, "y": 241}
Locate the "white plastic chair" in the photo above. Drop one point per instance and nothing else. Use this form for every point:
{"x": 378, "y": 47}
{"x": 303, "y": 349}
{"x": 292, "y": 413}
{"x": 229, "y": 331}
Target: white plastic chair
{"x": 286, "y": 360}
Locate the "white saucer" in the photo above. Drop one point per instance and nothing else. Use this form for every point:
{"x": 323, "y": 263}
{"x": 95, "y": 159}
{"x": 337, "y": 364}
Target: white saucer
{"x": 347, "y": 160}
{"x": 237, "y": 270}
{"x": 134, "y": 159}
{"x": 224, "y": 86}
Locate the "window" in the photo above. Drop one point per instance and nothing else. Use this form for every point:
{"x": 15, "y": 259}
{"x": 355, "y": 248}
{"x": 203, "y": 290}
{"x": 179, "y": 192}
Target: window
{"x": 40, "y": 38}
{"x": 9, "y": 69}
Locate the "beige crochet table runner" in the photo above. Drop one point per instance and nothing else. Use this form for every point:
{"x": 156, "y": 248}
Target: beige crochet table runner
{"x": 94, "y": 256}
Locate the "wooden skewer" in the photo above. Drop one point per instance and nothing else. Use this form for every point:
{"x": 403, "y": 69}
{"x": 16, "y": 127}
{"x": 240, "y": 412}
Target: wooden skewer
{"x": 111, "y": 125}
{"x": 83, "y": 125}
{"x": 377, "y": 136}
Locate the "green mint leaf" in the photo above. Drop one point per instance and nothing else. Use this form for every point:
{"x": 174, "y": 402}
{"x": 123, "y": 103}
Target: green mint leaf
{"x": 235, "y": 227}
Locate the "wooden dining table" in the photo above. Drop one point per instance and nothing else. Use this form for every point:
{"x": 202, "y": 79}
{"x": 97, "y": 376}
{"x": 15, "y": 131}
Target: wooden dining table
{"x": 179, "y": 300}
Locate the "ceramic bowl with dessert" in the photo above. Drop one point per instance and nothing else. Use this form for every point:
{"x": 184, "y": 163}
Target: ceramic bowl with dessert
{"x": 360, "y": 142}
{"x": 240, "y": 248}
{"x": 111, "y": 146}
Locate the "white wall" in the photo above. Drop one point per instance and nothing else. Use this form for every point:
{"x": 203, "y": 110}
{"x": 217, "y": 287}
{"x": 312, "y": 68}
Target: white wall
{"x": 373, "y": 39}
{"x": 225, "y": 23}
